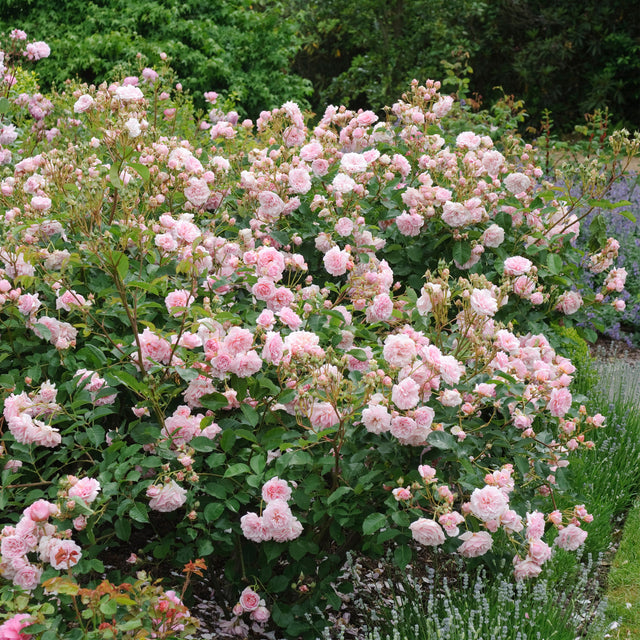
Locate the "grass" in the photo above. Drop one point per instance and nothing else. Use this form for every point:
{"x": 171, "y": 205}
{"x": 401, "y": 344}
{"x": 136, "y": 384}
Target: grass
{"x": 623, "y": 589}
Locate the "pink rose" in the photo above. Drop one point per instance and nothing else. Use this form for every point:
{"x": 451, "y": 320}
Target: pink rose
{"x": 539, "y": 551}
{"x": 407, "y": 431}
{"x": 323, "y": 416}
{"x": 450, "y": 398}
{"x": 260, "y": 615}
{"x": 468, "y": 140}
{"x": 535, "y": 525}
{"x": 271, "y": 205}
{"x": 10, "y": 629}
{"x": 198, "y": 192}
{"x": 381, "y": 308}
{"x": 511, "y": 521}
{"x": 290, "y": 318}
{"x": 493, "y": 236}
{"x": 336, "y": 261}
{"x": 353, "y": 163}
{"x": 571, "y": 537}
{"x": 450, "y": 522}
{"x": 409, "y": 224}
{"x": 238, "y": 340}
{"x": 40, "y": 510}
{"x": 475, "y": 544}
{"x": 455, "y": 214}
{"x": 264, "y": 289}
{"x": 13, "y": 547}
{"x": 488, "y": 503}
{"x": 406, "y": 394}
{"x": 492, "y": 161}
{"x": 569, "y": 302}
{"x": 273, "y": 349}
{"x": 442, "y": 107}
{"x": 517, "y": 182}
{"x": 311, "y": 151}
{"x": 524, "y": 569}
{"x": 342, "y": 183}
{"x": 86, "y": 489}
{"x": 559, "y": 402}
{"x": 249, "y": 599}
{"x": 399, "y": 350}
{"x": 253, "y": 528}
{"x": 169, "y": 497}
{"x": 376, "y": 419}
{"x": 64, "y": 554}
{"x": 276, "y": 489}
{"x": 344, "y": 227}
{"x": 524, "y": 286}
{"x": 299, "y": 180}
{"x": 128, "y": 93}
{"x": 517, "y": 266}
{"x": 427, "y": 532}
{"x": 279, "y": 522}
{"x": 483, "y": 302}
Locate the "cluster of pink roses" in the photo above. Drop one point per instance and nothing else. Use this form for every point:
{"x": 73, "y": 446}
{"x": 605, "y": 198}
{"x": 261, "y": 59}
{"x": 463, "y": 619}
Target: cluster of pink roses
{"x": 489, "y": 506}
{"x": 25, "y": 414}
{"x": 240, "y": 299}
{"x": 35, "y": 534}
{"x": 96, "y": 386}
{"x": 276, "y": 522}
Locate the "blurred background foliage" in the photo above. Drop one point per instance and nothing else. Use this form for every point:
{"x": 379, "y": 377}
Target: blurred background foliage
{"x": 568, "y": 57}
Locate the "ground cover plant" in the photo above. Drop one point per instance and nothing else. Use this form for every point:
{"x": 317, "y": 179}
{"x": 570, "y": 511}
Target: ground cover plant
{"x": 258, "y": 346}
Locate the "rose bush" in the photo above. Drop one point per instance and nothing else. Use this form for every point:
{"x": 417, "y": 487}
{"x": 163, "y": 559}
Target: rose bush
{"x": 260, "y": 330}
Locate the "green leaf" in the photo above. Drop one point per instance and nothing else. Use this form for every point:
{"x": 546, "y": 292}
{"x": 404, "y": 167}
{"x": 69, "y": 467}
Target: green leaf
{"x": 250, "y": 414}
{"x": 213, "y": 511}
{"x": 139, "y": 512}
{"x": 31, "y": 629}
{"x": 339, "y": 493}
{"x": 122, "y": 528}
{"x": 597, "y": 233}
{"x": 277, "y": 584}
{"x": 300, "y": 458}
{"x": 373, "y": 522}
{"x": 141, "y": 170}
{"x": 441, "y": 439}
{"x": 130, "y": 381}
{"x": 258, "y": 463}
{"x": 358, "y": 354}
{"x": 108, "y": 607}
{"x": 227, "y": 440}
{"x": 554, "y": 263}
{"x": 121, "y": 263}
{"x": 214, "y": 401}
{"x": 205, "y": 547}
{"x": 236, "y": 470}
{"x": 130, "y": 625}
{"x": 461, "y": 252}
{"x": 402, "y": 556}
{"x": 202, "y": 444}
{"x": 628, "y": 215}
{"x": 114, "y": 177}
{"x": 301, "y": 547}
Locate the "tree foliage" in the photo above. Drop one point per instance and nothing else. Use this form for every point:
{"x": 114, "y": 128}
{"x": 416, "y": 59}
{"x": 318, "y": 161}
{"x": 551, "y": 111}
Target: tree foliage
{"x": 242, "y": 49}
